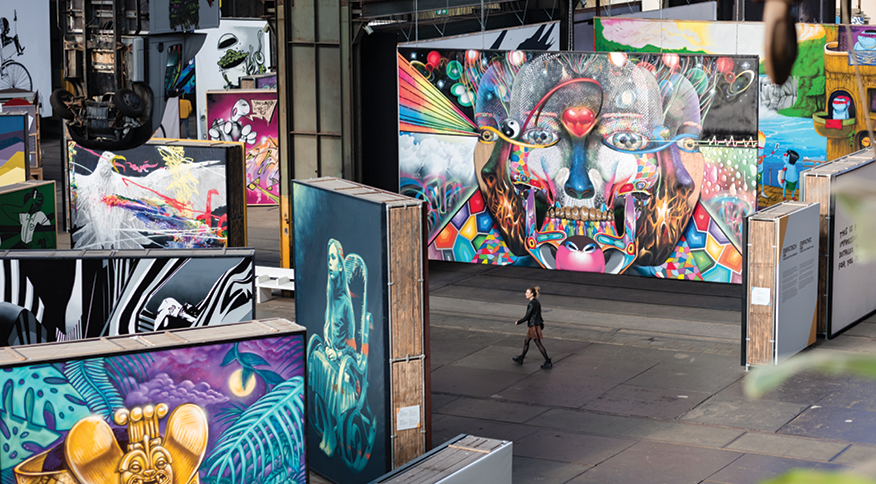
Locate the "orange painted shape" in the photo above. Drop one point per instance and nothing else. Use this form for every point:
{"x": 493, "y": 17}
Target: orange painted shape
{"x": 731, "y": 259}
{"x": 446, "y": 238}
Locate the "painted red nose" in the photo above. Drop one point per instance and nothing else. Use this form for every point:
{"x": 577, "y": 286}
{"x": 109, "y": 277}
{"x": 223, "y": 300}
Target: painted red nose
{"x": 579, "y": 120}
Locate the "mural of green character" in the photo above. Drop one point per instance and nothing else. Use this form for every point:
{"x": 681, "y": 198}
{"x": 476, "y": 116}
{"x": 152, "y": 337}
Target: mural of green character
{"x": 253, "y": 60}
{"x": 30, "y": 225}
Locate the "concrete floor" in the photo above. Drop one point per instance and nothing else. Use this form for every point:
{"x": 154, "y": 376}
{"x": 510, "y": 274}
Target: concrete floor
{"x": 646, "y": 384}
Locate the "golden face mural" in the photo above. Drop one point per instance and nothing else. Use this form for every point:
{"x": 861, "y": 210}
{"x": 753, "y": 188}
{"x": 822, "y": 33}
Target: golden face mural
{"x": 94, "y": 455}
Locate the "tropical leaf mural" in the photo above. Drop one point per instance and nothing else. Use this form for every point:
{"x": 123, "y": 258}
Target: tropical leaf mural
{"x": 91, "y": 379}
{"x": 252, "y": 427}
{"x": 126, "y": 370}
{"x": 42, "y": 396}
{"x": 268, "y": 437}
{"x": 38, "y": 403}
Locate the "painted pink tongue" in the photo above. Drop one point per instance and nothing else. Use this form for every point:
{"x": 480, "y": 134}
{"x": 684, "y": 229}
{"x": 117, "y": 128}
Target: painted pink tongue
{"x": 579, "y": 121}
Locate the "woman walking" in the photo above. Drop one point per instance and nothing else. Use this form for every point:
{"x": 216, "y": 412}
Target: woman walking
{"x": 536, "y": 324}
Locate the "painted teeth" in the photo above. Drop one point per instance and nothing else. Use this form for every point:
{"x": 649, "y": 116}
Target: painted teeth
{"x": 583, "y": 214}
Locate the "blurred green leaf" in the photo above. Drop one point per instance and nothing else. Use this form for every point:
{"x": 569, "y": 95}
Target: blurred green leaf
{"x": 805, "y": 476}
{"x": 762, "y": 380}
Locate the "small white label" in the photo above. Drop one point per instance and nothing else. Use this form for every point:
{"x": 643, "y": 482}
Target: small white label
{"x": 408, "y": 418}
{"x": 760, "y": 296}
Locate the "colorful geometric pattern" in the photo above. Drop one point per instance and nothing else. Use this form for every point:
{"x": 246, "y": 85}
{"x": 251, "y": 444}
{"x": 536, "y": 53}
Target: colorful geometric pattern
{"x": 704, "y": 253}
{"x": 471, "y": 236}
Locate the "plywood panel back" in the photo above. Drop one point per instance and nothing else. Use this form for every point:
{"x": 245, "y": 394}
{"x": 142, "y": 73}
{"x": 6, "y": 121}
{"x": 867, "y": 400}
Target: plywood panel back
{"x": 407, "y": 391}
{"x": 406, "y": 278}
{"x": 762, "y": 264}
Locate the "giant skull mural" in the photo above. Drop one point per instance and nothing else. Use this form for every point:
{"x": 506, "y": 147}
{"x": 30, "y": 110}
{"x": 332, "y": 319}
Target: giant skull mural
{"x": 579, "y": 153}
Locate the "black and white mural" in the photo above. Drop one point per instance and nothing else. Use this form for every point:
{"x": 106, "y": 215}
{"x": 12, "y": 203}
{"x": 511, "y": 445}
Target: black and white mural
{"x": 46, "y": 297}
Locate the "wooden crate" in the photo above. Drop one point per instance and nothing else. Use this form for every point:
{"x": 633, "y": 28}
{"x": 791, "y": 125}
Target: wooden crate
{"x": 464, "y": 458}
{"x": 385, "y": 230}
{"x": 837, "y": 310}
{"x": 781, "y": 266}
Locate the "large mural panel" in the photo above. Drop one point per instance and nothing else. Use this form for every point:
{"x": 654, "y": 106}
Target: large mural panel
{"x": 164, "y": 194}
{"x": 788, "y": 139}
{"x": 615, "y": 163}
{"x": 229, "y": 413}
{"x": 13, "y": 148}
{"x": 250, "y": 117}
{"x": 236, "y": 49}
{"x": 340, "y": 268}
{"x": 27, "y": 216}
{"x": 69, "y": 295}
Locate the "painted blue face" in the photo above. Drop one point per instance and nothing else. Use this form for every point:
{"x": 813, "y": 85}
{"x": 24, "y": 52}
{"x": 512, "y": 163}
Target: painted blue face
{"x": 785, "y": 157}
{"x": 867, "y": 42}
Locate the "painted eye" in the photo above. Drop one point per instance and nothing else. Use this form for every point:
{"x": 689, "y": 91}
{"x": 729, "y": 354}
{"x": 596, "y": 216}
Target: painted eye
{"x": 589, "y": 248}
{"x": 688, "y": 144}
{"x": 539, "y": 137}
{"x": 488, "y": 136}
{"x": 571, "y": 245}
{"x": 626, "y": 141}
{"x": 510, "y": 128}
{"x": 135, "y": 468}
{"x": 161, "y": 463}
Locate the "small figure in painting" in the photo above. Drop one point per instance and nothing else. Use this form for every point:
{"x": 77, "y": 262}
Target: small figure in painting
{"x": 840, "y": 106}
{"x": 6, "y": 39}
{"x": 790, "y": 175}
{"x": 339, "y": 318}
{"x": 535, "y": 323}
{"x": 30, "y": 216}
{"x": 233, "y": 129}
{"x": 866, "y": 40}
{"x": 171, "y": 309}
{"x": 337, "y": 364}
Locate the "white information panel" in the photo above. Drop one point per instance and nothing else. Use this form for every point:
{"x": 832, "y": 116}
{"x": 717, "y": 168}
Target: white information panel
{"x": 797, "y": 281}
{"x": 853, "y": 280}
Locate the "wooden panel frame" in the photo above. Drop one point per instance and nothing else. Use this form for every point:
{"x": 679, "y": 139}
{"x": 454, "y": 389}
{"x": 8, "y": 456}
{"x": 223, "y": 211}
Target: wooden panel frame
{"x": 763, "y": 260}
{"x": 405, "y": 239}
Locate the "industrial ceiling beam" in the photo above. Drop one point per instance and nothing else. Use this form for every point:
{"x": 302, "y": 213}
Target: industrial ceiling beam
{"x": 401, "y": 7}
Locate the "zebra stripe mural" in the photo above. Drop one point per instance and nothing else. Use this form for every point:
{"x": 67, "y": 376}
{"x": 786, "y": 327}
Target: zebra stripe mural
{"x": 67, "y": 295}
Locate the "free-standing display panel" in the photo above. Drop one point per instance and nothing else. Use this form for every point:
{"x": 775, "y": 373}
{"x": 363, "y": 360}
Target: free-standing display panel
{"x": 32, "y": 109}
{"x": 27, "y": 216}
{"x": 360, "y": 286}
{"x": 170, "y": 194}
{"x": 781, "y": 282}
{"x": 250, "y": 117}
{"x": 14, "y": 165}
{"x": 844, "y": 280}
{"x": 209, "y": 405}
{"x": 614, "y": 163}
{"x": 66, "y": 295}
